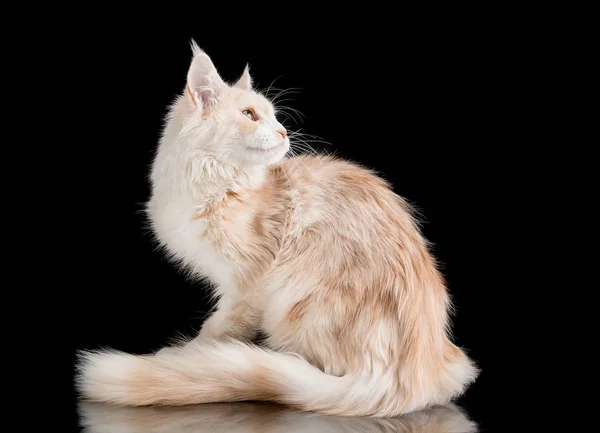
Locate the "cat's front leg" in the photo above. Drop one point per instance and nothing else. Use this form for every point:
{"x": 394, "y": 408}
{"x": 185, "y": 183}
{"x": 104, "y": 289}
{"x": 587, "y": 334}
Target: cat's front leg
{"x": 235, "y": 317}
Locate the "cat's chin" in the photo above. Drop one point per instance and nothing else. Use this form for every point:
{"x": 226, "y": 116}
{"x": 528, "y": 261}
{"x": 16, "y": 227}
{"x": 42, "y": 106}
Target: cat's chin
{"x": 267, "y": 150}
{"x": 267, "y": 156}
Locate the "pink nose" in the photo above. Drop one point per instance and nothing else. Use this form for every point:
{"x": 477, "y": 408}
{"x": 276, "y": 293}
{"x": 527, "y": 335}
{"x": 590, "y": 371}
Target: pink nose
{"x": 283, "y": 132}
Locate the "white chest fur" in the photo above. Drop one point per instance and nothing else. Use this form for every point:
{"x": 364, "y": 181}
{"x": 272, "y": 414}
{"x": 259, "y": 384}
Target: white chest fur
{"x": 186, "y": 238}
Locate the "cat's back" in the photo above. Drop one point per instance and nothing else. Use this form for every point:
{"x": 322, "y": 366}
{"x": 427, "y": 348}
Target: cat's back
{"x": 328, "y": 188}
{"x": 328, "y": 174}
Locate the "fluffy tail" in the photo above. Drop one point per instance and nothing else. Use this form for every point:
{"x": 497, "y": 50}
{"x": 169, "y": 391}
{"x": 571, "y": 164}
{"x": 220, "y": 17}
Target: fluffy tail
{"x": 234, "y": 371}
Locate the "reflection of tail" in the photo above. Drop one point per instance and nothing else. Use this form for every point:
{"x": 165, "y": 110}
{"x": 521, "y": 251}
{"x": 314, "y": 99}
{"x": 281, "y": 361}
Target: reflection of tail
{"x": 261, "y": 418}
{"x": 235, "y": 371}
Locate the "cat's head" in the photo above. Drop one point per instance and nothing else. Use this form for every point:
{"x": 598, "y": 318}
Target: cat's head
{"x": 231, "y": 122}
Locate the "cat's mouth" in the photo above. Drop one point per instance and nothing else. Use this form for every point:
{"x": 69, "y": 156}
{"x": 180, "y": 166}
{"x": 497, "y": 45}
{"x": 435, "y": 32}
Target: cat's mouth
{"x": 263, "y": 150}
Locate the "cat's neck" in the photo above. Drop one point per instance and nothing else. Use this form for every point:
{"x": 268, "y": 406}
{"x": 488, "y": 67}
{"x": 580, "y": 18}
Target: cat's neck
{"x": 211, "y": 180}
{"x": 204, "y": 180}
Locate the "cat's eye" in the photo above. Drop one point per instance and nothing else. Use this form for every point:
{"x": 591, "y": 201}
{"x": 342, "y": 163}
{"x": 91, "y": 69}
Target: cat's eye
{"x": 250, "y": 115}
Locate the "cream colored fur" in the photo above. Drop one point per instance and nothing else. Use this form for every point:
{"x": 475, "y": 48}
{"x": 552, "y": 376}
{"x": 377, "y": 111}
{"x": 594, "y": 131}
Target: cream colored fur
{"x": 318, "y": 253}
{"x": 262, "y": 418}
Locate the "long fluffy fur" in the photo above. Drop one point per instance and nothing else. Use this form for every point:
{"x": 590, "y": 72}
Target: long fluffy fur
{"x": 317, "y": 252}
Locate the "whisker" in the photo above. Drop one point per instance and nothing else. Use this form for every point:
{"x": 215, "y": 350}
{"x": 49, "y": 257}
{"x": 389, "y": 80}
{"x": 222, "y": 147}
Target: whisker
{"x": 291, "y": 113}
{"x": 293, "y": 133}
{"x": 275, "y": 99}
{"x": 288, "y": 88}
{"x": 282, "y": 93}
{"x": 312, "y": 139}
{"x": 285, "y": 107}
{"x": 273, "y": 82}
{"x": 288, "y": 117}
{"x": 301, "y": 143}
{"x": 305, "y": 166}
{"x": 299, "y": 139}
{"x": 299, "y": 131}
{"x": 304, "y": 151}
{"x": 305, "y": 147}
{"x": 317, "y": 141}
{"x": 288, "y": 99}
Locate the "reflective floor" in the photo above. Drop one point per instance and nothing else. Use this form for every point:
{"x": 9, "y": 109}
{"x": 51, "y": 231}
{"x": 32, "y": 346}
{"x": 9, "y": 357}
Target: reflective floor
{"x": 261, "y": 418}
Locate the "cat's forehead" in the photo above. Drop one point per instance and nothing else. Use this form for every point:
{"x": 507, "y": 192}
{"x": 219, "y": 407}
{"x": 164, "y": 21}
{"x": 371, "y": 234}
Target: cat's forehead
{"x": 252, "y": 99}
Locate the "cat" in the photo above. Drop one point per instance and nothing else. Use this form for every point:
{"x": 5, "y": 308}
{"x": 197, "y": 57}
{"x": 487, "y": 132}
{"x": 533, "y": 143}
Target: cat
{"x": 318, "y": 253}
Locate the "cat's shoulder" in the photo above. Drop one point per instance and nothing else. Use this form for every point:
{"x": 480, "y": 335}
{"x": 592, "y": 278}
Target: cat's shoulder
{"x": 325, "y": 167}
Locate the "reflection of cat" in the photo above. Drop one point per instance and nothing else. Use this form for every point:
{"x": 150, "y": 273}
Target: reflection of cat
{"x": 261, "y": 418}
{"x": 318, "y": 253}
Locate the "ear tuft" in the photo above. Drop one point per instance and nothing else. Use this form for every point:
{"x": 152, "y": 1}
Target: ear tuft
{"x": 204, "y": 84}
{"x": 245, "y": 81}
{"x": 196, "y": 50}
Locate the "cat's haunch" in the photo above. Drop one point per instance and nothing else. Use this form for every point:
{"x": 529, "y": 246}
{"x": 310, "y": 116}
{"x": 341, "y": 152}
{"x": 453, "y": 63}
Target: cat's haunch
{"x": 318, "y": 253}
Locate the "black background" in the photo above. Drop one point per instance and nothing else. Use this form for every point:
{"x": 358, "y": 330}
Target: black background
{"x": 425, "y": 106}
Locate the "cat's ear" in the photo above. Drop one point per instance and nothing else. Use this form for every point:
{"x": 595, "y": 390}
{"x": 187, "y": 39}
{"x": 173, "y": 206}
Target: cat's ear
{"x": 204, "y": 84}
{"x": 245, "y": 81}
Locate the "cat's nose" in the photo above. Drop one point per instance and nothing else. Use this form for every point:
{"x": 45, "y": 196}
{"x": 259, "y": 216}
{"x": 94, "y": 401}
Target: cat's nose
{"x": 282, "y": 132}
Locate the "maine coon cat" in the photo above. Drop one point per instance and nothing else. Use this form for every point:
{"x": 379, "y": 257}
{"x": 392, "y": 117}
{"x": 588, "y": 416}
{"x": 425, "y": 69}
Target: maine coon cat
{"x": 318, "y": 253}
